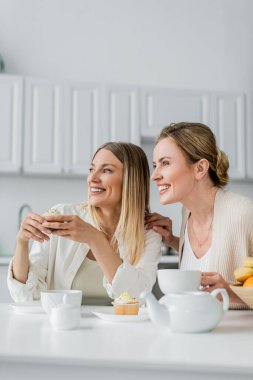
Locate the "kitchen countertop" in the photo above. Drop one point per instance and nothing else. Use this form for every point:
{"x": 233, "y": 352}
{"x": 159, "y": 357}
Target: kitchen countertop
{"x": 107, "y": 350}
{"x": 4, "y": 260}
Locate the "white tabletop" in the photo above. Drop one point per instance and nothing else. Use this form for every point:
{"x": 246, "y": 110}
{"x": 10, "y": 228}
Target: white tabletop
{"x": 140, "y": 346}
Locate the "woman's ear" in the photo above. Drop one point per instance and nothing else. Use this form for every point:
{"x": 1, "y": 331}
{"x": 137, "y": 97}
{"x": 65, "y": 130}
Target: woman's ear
{"x": 202, "y": 167}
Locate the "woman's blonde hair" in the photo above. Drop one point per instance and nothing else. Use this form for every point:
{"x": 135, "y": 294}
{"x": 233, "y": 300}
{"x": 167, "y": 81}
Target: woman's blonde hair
{"x": 197, "y": 141}
{"x": 135, "y": 198}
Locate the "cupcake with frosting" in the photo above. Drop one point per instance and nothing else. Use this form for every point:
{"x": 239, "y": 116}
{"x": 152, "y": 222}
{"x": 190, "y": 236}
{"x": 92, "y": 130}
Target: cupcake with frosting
{"x": 126, "y": 305}
{"x": 52, "y": 212}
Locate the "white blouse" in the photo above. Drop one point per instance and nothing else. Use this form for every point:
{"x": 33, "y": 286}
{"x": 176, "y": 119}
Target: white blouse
{"x": 189, "y": 259}
{"x": 54, "y": 264}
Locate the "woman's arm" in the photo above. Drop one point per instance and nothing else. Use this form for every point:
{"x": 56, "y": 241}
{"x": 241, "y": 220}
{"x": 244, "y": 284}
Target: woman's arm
{"x": 31, "y": 228}
{"x": 140, "y": 277}
{"x": 163, "y": 226}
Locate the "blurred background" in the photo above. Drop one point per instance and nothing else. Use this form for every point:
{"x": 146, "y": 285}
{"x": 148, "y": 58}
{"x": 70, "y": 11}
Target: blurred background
{"x": 79, "y": 72}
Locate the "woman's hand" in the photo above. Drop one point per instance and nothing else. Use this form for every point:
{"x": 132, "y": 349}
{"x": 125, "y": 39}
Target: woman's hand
{"x": 71, "y": 227}
{"x": 31, "y": 228}
{"x": 74, "y": 228}
{"x": 163, "y": 226}
{"x": 213, "y": 280}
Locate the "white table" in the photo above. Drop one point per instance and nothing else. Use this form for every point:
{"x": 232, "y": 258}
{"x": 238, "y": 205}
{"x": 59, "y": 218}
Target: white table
{"x": 30, "y": 349}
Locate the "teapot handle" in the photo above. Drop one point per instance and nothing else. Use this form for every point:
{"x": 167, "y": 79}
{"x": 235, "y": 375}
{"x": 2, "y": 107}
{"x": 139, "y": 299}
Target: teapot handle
{"x": 224, "y": 295}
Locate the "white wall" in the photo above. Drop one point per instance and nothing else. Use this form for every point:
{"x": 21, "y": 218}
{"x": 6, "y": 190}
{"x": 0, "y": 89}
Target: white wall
{"x": 195, "y": 44}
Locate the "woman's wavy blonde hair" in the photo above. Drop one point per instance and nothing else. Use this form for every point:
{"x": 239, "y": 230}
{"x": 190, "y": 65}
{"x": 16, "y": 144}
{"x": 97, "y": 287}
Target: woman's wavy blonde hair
{"x": 135, "y": 198}
{"x": 197, "y": 141}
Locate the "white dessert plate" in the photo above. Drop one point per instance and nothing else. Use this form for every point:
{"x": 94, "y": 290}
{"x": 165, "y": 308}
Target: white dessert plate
{"x": 27, "y": 307}
{"x": 109, "y": 316}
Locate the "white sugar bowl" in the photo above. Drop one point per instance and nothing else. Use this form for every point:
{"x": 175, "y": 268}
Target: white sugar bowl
{"x": 65, "y": 316}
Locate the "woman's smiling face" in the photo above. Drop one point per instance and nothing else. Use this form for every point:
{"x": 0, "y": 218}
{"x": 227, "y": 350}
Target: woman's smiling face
{"x": 105, "y": 180}
{"x": 173, "y": 174}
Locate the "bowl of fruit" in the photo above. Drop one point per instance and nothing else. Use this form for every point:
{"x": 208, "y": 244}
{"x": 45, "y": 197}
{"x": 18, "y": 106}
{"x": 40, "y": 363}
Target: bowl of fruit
{"x": 244, "y": 276}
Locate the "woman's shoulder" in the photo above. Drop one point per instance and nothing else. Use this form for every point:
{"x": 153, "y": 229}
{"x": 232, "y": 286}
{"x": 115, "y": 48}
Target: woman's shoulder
{"x": 153, "y": 236}
{"x": 230, "y": 198}
{"x": 235, "y": 206}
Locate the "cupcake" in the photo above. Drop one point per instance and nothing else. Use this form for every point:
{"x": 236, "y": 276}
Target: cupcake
{"x": 52, "y": 212}
{"x": 126, "y": 305}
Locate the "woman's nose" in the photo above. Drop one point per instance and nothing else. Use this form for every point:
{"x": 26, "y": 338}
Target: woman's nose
{"x": 155, "y": 175}
{"x": 93, "y": 177}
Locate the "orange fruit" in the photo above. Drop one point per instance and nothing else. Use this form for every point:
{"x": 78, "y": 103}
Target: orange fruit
{"x": 248, "y": 282}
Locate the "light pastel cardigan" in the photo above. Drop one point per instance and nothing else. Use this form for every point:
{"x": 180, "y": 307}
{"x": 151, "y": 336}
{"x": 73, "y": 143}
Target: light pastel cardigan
{"x": 232, "y": 234}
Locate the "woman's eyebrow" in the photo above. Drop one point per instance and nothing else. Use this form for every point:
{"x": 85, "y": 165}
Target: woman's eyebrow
{"x": 103, "y": 165}
{"x": 163, "y": 158}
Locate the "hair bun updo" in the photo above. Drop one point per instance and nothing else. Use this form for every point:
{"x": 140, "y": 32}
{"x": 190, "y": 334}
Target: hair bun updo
{"x": 222, "y": 167}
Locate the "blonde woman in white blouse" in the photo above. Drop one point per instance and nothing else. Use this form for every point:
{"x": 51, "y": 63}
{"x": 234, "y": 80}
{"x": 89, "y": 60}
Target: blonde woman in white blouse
{"x": 217, "y": 225}
{"x": 100, "y": 247}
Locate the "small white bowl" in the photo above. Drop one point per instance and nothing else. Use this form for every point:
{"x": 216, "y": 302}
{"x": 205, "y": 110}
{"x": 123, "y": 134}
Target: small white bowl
{"x": 52, "y": 298}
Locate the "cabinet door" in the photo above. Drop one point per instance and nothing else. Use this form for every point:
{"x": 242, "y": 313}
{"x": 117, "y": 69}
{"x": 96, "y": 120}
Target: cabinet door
{"x": 160, "y": 107}
{"x": 121, "y": 113}
{"x": 83, "y": 132}
{"x": 10, "y": 123}
{"x": 230, "y": 130}
{"x": 44, "y": 127}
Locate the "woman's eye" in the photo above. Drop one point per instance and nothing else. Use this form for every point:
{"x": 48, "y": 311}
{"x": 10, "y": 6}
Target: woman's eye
{"x": 91, "y": 170}
{"x": 165, "y": 163}
{"x": 106, "y": 170}
{"x": 154, "y": 166}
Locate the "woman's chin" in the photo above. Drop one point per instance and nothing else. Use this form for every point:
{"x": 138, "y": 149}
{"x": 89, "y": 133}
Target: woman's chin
{"x": 166, "y": 201}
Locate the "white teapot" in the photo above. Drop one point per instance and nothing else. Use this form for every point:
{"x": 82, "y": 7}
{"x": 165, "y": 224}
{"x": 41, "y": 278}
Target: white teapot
{"x": 188, "y": 312}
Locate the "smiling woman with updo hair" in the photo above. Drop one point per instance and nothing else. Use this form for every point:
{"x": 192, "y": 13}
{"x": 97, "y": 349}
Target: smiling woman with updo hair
{"x": 217, "y": 225}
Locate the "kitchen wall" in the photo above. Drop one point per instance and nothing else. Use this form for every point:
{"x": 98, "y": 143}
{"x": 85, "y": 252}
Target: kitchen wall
{"x": 189, "y": 44}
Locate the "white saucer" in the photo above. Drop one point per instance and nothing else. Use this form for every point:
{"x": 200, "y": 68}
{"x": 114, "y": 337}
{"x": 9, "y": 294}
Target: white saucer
{"x": 27, "y": 307}
{"x": 109, "y": 316}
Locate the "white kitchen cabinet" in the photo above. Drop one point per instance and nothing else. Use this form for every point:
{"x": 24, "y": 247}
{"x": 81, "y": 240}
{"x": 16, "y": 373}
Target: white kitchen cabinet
{"x": 65, "y": 122}
{"x": 44, "y": 126}
{"x": 161, "y": 106}
{"x": 229, "y": 122}
{"x": 121, "y": 113}
{"x": 11, "y": 99}
{"x": 83, "y": 126}
{"x": 95, "y": 115}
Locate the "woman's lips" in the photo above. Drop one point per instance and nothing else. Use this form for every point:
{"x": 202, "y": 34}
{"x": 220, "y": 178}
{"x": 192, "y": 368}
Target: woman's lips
{"x": 96, "y": 190}
{"x": 163, "y": 188}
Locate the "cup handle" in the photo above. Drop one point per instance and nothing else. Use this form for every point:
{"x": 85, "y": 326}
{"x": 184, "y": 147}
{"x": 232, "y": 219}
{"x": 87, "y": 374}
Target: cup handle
{"x": 224, "y": 295}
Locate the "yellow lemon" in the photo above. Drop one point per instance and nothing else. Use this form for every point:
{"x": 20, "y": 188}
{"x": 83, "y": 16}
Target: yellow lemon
{"x": 241, "y": 274}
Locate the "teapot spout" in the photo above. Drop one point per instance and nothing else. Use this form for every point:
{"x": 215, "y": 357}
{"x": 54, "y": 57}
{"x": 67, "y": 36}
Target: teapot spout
{"x": 158, "y": 313}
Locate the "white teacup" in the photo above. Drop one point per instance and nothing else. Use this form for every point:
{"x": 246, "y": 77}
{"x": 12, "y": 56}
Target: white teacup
{"x": 178, "y": 280}
{"x": 52, "y": 298}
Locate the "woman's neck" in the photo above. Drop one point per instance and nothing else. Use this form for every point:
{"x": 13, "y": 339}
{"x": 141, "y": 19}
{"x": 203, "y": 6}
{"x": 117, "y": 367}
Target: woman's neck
{"x": 108, "y": 219}
{"x": 201, "y": 203}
